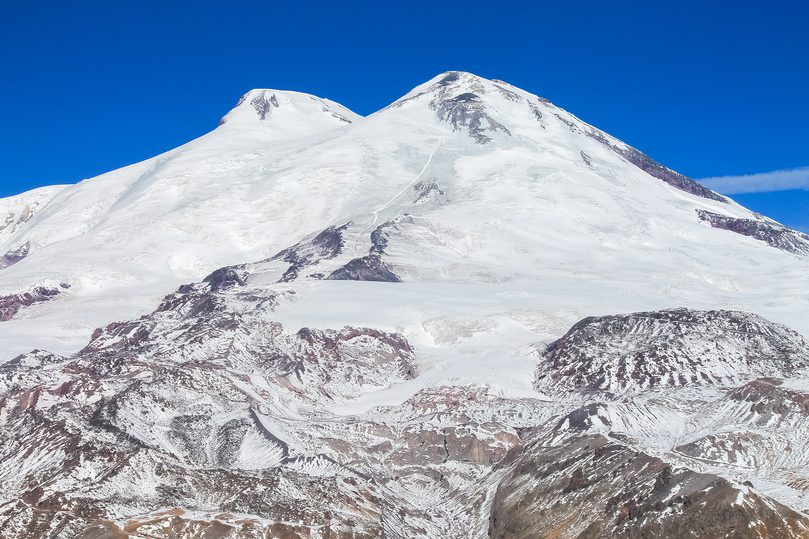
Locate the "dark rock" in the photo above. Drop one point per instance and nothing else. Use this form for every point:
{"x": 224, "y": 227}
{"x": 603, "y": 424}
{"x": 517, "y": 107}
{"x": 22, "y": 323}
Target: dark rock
{"x": 508, "y": 94}
{"x": 12, "y": 304}
{"x": 381, "y": 235}
{"x": 468, "y": 111}
{"x": 428, "y": 191}
{"x": 225, "y": 278}
{"x": 269, "y": 435}
{"x": 589, "y": 487}
{"x": 775, "y": 234}
{"x": 449, "y": 77}
{"x": 675, "y": 179}
{"x": 670, "y": 348}
{"x": 379, "y": 239}
{"x": 15, "y": 255}
{"x": 767, "y": 397}
{"x": 367, "y": 268}
{"x": 465, "y": 110}
{"x": 34, "y": 359}
{"x": 14, "y": 220}
{"x": 324, "y": 246}
{"x": 647, "y": 164}
{"x": 536, "y": 113}
{"x": 581, "y": 419}
{"x": 264, "y": 104}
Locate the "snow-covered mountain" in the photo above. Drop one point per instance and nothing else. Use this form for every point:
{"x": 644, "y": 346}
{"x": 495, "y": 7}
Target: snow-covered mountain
{"x": 444, "y": 319}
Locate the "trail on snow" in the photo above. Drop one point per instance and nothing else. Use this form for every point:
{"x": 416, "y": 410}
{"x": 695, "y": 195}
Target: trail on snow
{"x": 404, "y": 189}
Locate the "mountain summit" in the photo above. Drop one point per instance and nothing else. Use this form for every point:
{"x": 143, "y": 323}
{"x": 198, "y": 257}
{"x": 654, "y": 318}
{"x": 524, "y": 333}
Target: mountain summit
{"x": 468, "y": 314}
{"x": 289, "y": 114}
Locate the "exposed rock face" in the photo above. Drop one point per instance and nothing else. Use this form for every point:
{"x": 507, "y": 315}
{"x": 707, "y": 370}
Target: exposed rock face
{"x": 644, "y": 162}
{"x": 315, "y": 252}
{"x": 264, "y": 104}
{"x": 12, "y": 304}
{"x": 584, "y": 419}
{"x": 183, "y": 397}
{"x": 367, "y": 268}
{"x": 15, "y": 255}
{"x": 33, "y": 360}
{"x": 767, "y": 397}
{"x": 429, "y": 191}
{"x": 379, "y": 239}
{"x": 655, "y": 169}
{"x": 776, "y": 235}
{"x": 767, "y": 421}
{"x": 661, "y": 172}
{"x": 676, "y": 347}
{"x": 210, "y": 407}
{"x": 456, "y": 100}
{"x": 175, "y": 523}
{"x": 381, "y": 235}
{"x": 610, "y": 490}
{"x": 199, "y": 323}
{"x": 226, "y": 413}
{"x": 324, "y": 246}
{"x": 468, "y": 111}
{"x": 225, "y": 278}
{"x": 536, "y": 113}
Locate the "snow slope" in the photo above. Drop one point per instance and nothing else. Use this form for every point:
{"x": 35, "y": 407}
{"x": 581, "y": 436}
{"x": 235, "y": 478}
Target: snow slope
{"x": 542, "y": 197}
{"x": 469, "y": 222}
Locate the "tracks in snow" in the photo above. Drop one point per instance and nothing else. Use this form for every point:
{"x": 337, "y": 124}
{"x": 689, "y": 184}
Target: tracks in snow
{"x": 397, "y": 195}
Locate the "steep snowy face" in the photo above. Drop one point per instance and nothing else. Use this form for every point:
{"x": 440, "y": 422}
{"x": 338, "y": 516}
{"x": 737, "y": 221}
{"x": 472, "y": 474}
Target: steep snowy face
{"x": 463, "y": 180}
{"x": 125, "y": 237}
{"x": 202, "y": 192}
{"x": 462, "y": 101}
{"x": 485, "y": 108}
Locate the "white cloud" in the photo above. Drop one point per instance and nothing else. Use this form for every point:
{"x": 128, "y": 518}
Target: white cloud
{"x": 778, "y": 180}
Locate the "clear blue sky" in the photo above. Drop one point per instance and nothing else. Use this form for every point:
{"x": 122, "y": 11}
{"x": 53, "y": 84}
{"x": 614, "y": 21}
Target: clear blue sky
{"x": 709, "y": 88}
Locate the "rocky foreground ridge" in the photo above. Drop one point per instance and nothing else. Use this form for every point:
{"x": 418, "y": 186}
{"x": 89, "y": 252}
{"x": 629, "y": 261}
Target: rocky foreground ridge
{"x": 207, "y": 419}
{"x": 460, "y": 323}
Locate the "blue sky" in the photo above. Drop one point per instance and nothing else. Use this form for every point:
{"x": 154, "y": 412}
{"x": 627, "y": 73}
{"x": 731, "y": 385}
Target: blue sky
{"x": 709, "y": 88}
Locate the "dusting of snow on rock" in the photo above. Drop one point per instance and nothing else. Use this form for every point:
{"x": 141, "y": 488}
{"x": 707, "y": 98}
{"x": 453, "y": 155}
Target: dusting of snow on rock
{"x": 676, "y": 347}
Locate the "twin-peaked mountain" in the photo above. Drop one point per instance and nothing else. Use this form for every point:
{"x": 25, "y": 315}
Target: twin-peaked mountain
{"x": 466, "y": 180}
{"x": 468, "y": 314}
